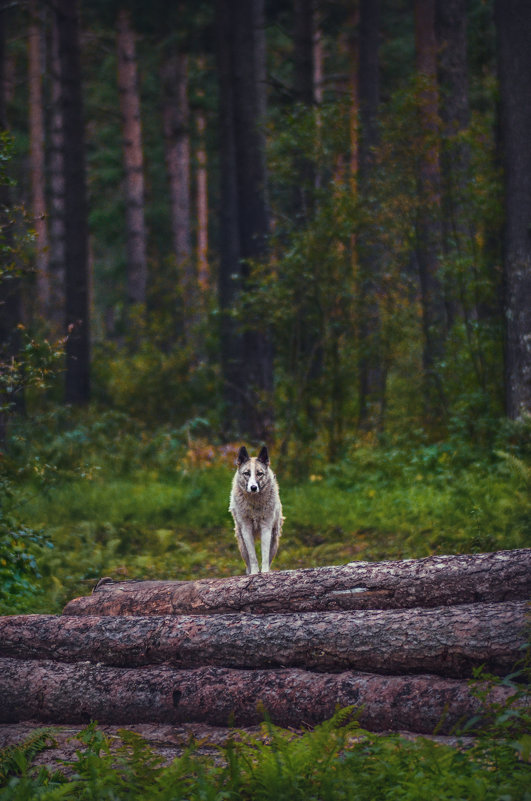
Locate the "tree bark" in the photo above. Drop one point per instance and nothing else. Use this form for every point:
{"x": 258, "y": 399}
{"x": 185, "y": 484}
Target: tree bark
{"x": 10, "y": 283}
{"x": 513, "y": 22}
{"x": 432, "y": 581}
{"x": 176, "y": 115}
{"x": 133, "y": 159}
{"x": 371, "y": 372}
{"x": 37, "y": 159}
{"x": 57, "y": 264}
{"x": 203, "y": 272}
{"x": 449, "y": 641}
{"x": 77, "y": 378}
{"x": 246, "y": 357}
{"x": 60, "y": 693}
{"x": 429, "y": 232}
{"x": 455, "y": 116}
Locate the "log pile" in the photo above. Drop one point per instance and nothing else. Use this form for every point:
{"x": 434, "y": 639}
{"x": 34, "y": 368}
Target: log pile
{"x": 397, "y": 640}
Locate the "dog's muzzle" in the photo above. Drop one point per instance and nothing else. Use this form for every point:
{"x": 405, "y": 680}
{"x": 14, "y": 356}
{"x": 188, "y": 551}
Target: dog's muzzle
{"x": 253, "y": 488}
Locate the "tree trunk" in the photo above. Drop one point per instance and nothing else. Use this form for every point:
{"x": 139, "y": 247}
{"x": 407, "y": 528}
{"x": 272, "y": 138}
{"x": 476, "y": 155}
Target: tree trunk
{"x": 133, "y": 159}
{"x": 10, "y": 284}
{"x": 305, "y": 90}
{"x": 513, "y": 23}
{"x": 429, "y": 582}
{"x": 55, "y": 692}
{"x": 246, "y": 357}
{"x": 57, "y": 263}
{"x": 203, "y": 272}
{"x": 448, "y": 641}
{"x": 457, "y": 229}
{"x": 77, "y": 379}
{"x": 37, "y": 160}
{"x": 371, "y": 372}
{"x": 429, "y": 233}
{"x": 176, "y": 114}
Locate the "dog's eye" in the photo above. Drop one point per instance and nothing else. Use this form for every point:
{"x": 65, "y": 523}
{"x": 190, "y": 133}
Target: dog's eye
{"x": 247, "y": 473}
{"x": 259, "y": 473}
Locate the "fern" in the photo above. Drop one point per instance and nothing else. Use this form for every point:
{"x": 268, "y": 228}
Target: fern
{"x": 15, "y": 760}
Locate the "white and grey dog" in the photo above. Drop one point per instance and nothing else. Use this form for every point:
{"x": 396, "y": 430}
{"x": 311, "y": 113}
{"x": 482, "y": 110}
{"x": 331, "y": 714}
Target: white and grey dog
{"x": 256, "y": 509}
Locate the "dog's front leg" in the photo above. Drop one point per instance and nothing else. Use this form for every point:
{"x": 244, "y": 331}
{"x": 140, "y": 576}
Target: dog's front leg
{"x": 247, "y": 536}
{"x": 265, "y": 542}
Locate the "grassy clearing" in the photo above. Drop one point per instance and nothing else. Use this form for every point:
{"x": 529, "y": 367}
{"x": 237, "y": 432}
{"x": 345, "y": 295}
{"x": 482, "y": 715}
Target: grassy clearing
{"x": 156, "y": 524}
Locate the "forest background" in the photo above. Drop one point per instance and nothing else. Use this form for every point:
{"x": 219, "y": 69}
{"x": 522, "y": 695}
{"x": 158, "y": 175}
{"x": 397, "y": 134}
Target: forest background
{"x": 299, "y": 223}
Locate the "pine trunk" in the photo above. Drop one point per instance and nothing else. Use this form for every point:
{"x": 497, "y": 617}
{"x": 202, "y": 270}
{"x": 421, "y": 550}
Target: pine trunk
{"x": 54, "y": 692}
{"x": 433, "y": 581}
{"x": 203, "y": 272}
{"x": 133, "y": 159}
{"x": 37, "y": 160}
{"x": 176, "y": 114}
{"x": 57, "y": 188}
{"x": 77, "y": 379}
{"x": 371, "y": 372}
{"x": 10, "y": 285}
{"x": 246, "y": 357}
{"x": 513, "y": 23}
{"x": 447, "y": 641}
{"x": 429, "y": 233}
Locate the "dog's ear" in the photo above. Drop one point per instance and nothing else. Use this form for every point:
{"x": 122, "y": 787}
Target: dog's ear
{"x": 263, "y": 456}
{"x": 243, "y": 456}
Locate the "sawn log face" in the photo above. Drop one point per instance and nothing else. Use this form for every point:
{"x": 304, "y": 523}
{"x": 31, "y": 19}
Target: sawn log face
{"x": 430, "y": 582}
{"x": 62, "y": 693}
{"x": 448, "y": 641}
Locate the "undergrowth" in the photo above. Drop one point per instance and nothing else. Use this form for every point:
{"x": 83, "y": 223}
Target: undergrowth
{"x": 100, "y": 495}
{"x": 335, "y": 761}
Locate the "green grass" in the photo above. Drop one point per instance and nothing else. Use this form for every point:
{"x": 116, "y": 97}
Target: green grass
{"x": 130, "y": 505}
{"x": 150, "y": 524}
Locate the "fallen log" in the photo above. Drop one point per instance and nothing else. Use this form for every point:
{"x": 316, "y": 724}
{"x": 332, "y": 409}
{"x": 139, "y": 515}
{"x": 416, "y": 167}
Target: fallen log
{"x": 448, "y": 641}
{"x": 62, "y": 693}
{"x": 429, "y": 582}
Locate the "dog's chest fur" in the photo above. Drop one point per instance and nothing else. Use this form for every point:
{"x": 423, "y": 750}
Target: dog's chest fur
{"x": 258, "y": 507}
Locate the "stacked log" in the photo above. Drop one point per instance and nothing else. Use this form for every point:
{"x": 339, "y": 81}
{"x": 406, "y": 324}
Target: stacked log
{"x": 396, "y": 640}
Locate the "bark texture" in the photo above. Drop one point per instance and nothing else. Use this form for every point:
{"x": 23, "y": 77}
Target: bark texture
{"x": 449, "y": 641}
{"x": 201, "y": 201}
{"x": 62, "y": 693}
{"x": 176, "y": 117}
{"x": 133, "y": 159}
{"x": 57, "y": 186}
{"x": 429, "y": 230}
{"x": 77, "y": 377}
{"x": 37, "y": 159}
{"x": 246, "y": 357}
{"x": 371, "y": 371}
{"x": 513, "y": 22}
{"x": 432, "y": 581}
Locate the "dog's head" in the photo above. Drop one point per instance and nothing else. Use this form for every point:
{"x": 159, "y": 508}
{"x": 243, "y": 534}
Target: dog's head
{"x": 253, "y": 472}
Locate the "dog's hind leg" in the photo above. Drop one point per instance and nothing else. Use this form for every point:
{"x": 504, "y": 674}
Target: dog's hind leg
{"x": 273, "y": 547}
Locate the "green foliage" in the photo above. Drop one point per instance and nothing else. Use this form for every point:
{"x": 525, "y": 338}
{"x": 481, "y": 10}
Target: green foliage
{"x": 119, "y": 499}
{"x": 334, "y": 762}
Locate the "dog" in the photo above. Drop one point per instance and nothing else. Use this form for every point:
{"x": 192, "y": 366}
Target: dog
{"x": 256, "y": 509}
